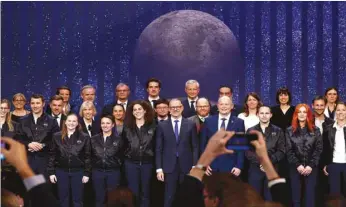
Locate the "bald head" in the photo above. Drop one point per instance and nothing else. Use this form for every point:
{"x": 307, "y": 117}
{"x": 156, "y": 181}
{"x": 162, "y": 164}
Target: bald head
{"x": 203, "y": 107}
{"x": 225, "y": 105}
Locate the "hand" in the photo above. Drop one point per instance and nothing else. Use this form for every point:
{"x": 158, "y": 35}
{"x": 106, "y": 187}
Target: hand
{"x": 16, "y": 154}
{"x": 8, "y": 198}
{"x": 236, "y": 171}
{"x": 208, "y": 171}
{"x": 85, "y": 179}
{"x": 307, "y": 170}
{"x": 260, "y": 146}
{"x": 53, "y": 179}
{"x": 160, "y": 176}
{"x": 35, "y": 146}
{"x": 300, "y": 169}
{"x": 325, "y": 170}
{"x": 217, "y": 144}
{"x": 261, "y": 168}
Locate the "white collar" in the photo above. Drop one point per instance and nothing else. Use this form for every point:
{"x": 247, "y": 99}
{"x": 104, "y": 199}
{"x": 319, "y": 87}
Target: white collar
{"x": 180, "y": 118}
{"x": 222, "y": 116}
{"x": 335, "y": 125}
{"x": 153, "y": 99}
{"x": 192, "y": 99}
{"x": 119, "y": 102}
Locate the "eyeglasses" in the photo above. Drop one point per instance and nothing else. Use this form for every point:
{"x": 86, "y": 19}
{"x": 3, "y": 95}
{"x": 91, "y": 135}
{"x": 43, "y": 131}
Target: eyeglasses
{"x": 161, "y": 108}
{"x": 175, "y": 107}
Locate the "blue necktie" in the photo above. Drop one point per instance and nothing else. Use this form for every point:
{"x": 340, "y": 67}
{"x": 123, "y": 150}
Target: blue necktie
{"x": 176, "y": 130}
{"x": 223, "y": 124}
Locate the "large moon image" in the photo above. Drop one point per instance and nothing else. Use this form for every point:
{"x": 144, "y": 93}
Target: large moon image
{"x": 188, "y": 44}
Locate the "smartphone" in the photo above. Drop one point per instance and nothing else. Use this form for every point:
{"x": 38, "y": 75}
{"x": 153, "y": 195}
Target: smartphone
{"x": 3, "y": 145}
{"x": 241, "y": 141}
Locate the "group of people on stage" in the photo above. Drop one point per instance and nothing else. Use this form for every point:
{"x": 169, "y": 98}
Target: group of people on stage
{"x": 138, "y": 140}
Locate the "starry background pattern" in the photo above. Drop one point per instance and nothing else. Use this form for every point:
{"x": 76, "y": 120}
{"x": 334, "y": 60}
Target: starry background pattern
{"x": 301, "y": 45}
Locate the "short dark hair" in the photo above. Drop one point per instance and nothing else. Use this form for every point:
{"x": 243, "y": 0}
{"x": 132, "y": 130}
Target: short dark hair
{"x": 267, "y": 106}
{"x": 153, "y": 80}
{"x": 319, "y": 98}
{"x": 226, "y": 86}
{"x": 283, "y": 90}
{"x": 161, "y": 101}
{"x": 37, "y": 96}
{"x": 332, "y": 88}
{"x": 63, "y": 88}
{"x": 108, "y": 117}
{"x": 56, "y": 98}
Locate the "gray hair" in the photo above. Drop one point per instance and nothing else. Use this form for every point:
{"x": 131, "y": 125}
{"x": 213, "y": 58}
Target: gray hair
{"x": 88, "y": 86}
{"x": 86, "y": 104}
{"x": 225, "y": 97}
{"x": 191, "y": 82}
{"x": 122, "y": 84}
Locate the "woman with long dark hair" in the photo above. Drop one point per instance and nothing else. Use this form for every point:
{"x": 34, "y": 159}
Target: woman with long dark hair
{"x": 106, "y": 159}
{"x": 252, "y": 103}
{"x": 304, "y": 147}
{"x": 138, "y": 134}
{"x": 69, "y": 161}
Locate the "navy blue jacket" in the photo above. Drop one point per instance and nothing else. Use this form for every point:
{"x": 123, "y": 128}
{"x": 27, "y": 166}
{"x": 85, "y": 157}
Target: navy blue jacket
{"x": 188, "y": 111}
{"x": 223, "y": 163}
{"x": 167, "y": 146}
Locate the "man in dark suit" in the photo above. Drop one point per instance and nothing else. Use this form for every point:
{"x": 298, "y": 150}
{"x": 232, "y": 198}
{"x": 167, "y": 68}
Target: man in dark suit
{"x": 56, "y": 106}
{"x": 192, "y": 91}
{"x": 35, "y": 132}
{"x": 162, "y": 110}
{"x": 122, "y": 93}
{"x": 67, "y": 107}
{"x": 176, "y": 149}
{"x": 153, "y": 88}
{"x": 231, "y": 162}
{"x": 226, "y": 91}
{"x": 203, "y": 109}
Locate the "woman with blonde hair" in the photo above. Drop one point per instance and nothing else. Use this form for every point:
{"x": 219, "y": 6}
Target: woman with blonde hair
{"x": 7, "y": 126}
{"x": 19, "y": 111}
{"x": 87, "y": 118}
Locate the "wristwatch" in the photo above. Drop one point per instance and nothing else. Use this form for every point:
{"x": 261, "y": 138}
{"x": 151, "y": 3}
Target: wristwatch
{"x": 201, "y": 167}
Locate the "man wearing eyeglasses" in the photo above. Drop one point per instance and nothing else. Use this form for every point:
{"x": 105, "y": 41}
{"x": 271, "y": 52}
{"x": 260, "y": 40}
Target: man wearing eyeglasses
{"x": 122, "y": 93}
{"x": 176, "y": 149}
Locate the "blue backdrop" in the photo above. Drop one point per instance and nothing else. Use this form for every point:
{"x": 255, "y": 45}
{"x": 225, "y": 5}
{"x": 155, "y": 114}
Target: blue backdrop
{"x": 47, "y": 44}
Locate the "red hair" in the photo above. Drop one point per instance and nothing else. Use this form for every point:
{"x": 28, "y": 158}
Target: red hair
{"x": 309, "y": 118}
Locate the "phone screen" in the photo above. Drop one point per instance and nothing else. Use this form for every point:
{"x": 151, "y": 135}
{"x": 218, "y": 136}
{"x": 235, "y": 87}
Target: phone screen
{"x": 241, "y": 141}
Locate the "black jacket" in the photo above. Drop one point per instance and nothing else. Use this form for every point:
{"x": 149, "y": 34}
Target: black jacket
{"x": 329, "y": 144}
{"x": 95, "y": 126}
{"x": 70, "y": 154}
{"x": 275, "y": 142}
{"x": 304, "y": 147}
{"x": 41, "y": 132}
{"x": 139, "y": 143}
{"x": 5, "y": 130}
{"x": 106, "y": 155}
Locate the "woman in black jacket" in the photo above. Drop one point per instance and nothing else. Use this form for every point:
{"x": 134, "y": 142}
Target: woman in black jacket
{"x": 69, "y": 161}
{"x": 138, "y": 135}
{"x": 105, "y": 159}
{"x": 304, "y": 147}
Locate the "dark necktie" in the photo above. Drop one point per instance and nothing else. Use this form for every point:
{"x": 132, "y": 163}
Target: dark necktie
{"x": 89, "y": 127}
{"x": 193, "y": 106}
{"x": 161, "y": 120}
{"x": 176, "y": 130}
{"x": 223, "y": 124}
{"x": 56, "y": 116}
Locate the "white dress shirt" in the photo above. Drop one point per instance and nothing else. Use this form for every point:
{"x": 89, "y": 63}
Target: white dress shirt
{"x": 123, "y": 103}
{"x": 153, "y": 99}
{"x": 319, "y": 123}
{"x": 57, "y": 119}
{"x": 339, "y": 154}
{"x": 226, "y": 121}
{"x": 249, "y": 121}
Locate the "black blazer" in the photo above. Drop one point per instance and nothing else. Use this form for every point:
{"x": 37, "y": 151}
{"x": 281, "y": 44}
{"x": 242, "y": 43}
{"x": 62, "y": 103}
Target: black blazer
{"x": 95, "y": 126}
{"x": 188, "y": 111}
{"x": 329, "y": 145}
{"x": 167, "y": 146}
{"x": 5, "y": 131}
